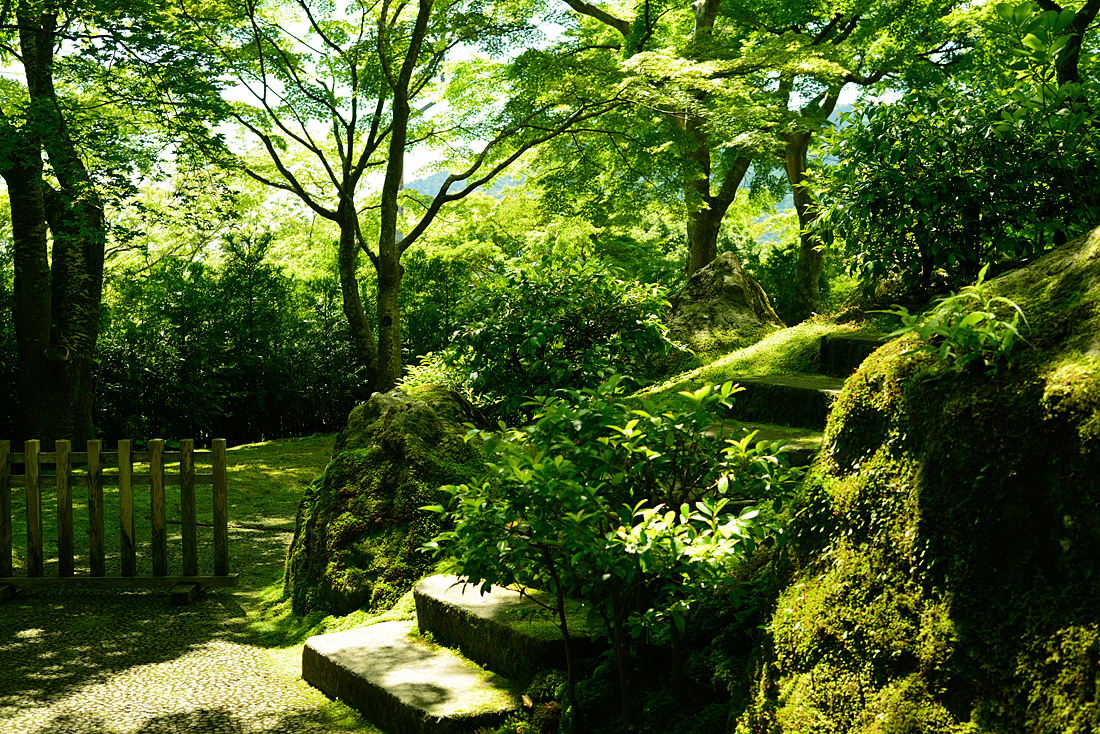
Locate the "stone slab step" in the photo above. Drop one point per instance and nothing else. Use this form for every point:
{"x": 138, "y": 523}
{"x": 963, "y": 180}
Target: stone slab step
{"x": 841, "y": 354}
{"x": 503, "y": 630}
{"x": 403, "y": 684}
{"x": 802, "y": 444}
{"x": 802, "y": 401}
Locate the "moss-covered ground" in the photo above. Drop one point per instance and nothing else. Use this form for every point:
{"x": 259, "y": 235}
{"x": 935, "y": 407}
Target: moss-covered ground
{"x": 792, "y": 351}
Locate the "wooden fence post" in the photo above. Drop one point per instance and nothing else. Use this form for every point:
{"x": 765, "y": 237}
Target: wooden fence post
{"x": 95, "y": 510}
{"x": 5, "y": 511}
{"x": 221, "y": 509}
{"x": 187, "y": 508}
{"x": 126, "y": 508}
{"x": 158, "y": 507}
{"x": 64, "y": 510}
{"x": 34, "y": 508}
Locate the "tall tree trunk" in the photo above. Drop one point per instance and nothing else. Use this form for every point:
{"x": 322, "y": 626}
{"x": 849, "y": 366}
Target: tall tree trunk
{"x": 56, "y": 310}
{"x": 705, "y": 210}
{"x": 362, "y": 334}
{"x": 31, "y": 292}
{"x": 388, "y": 262}
{"x": 811, "y": 259}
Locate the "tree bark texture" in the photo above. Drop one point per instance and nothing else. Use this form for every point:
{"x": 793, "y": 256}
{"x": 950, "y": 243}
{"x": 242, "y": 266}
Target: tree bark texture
{"x": 705, "y": 210}
{"x": 811, "y": 259}
{"x": 56, "y": 304}
{"x": 362, "y": 334}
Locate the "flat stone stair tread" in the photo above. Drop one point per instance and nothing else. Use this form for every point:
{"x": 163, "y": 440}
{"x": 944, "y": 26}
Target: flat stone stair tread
{"x": 801, "y": 444}
{"x": 404, "y": 684}
{"x": 819, "y": 383}
{"x": 503, "y": 630}
{"x": 790, "y": 400}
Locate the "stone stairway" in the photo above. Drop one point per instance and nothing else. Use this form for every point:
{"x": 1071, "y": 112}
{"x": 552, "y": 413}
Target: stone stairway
{"x": 402, "y": 678}
{"x": 453, "y": 670}
{"x": 795, "y": 408}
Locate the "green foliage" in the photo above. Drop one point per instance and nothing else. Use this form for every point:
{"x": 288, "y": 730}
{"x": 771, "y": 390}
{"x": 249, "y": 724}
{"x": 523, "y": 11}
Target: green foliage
{"x": 550, "y": 326}
{"x": 637, "y": 511}
{"x": 240, "y": 350}
{"x": 1065, "y": 111}
{"x": 964, "y": 327}
{"x": 923, "y": 189}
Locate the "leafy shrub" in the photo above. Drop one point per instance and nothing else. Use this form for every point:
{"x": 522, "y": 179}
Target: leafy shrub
{"x": 927, "y": 188}
{"x": 634, "y": 510}
{"x": 551, "y": 325}
{"x": 957, "y": 333}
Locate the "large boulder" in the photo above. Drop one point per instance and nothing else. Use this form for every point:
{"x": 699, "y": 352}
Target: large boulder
{"x": 949, "y": 537}
{"x": 360, "y": 527}
{"x": 719, "y": 302}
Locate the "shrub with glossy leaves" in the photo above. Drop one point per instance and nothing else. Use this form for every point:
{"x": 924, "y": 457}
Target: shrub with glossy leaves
{"x": 636, "y": 511}
{"x": 932, "y": 187}
{"x": 552, "y": 325}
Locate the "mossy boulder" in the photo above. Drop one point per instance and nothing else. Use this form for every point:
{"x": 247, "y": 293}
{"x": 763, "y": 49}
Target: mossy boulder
{"x": 948, "y": 543}
{"x": 720, "y": 303}
{"x": 360, "y": 527}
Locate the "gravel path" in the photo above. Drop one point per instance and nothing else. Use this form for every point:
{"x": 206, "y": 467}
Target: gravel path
{"x": 125, "y": 662}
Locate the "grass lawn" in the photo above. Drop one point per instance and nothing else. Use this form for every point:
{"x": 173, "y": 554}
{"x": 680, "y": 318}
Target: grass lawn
{"x": 266, "y": 483}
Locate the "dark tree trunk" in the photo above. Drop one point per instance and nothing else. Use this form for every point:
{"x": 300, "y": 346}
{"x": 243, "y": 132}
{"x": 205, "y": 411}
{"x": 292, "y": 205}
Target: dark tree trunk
{"x": 811, "y": 259}
{"x": 362, "y": 335}
{"x": 388, "y": 262}
{"x": 705, "y": 210}
{"x": 56, "y": 304}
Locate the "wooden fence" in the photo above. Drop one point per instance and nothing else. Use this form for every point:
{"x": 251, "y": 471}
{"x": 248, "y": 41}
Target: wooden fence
{"x": 62, "y": 460}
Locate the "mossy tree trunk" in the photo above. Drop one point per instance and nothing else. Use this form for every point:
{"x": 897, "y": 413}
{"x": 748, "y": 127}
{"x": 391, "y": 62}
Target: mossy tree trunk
{"x": 56, "y": 293}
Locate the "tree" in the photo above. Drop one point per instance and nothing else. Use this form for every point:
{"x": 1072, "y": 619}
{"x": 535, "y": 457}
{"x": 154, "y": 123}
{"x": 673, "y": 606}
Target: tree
{"x": 69, "y": 139}
{"x": 353, "y": 93}
{"x": 756, "y": 81}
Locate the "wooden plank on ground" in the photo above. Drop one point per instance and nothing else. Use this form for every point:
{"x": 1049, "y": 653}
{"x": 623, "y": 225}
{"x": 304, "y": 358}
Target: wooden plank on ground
{"x": 126, "y": 509}
{"x": 184, "y": 594}
{"x": 7, "y": 591}
{"x": 64, "y": 510}
{"x": 187, "y": 511}
{"x": 117, "y": 582}
{"x": 221, "y": 509}
{"x": 96, "y": 551}
{"x": 158, "y": 507}
{"x": 5, "y": 510}
{"x": 34, "y": 508}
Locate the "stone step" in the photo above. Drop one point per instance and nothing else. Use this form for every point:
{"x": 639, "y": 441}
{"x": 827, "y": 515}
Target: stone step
{"x": 801, "y": 444}
{"x": 841, "y": 354}
{"x": 803, "y": 401}
{"x": 404, "y": 684}
{"x": 503, "y": 630}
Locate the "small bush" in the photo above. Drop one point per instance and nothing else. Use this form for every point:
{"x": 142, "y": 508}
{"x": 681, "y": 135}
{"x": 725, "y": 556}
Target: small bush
{"x": 550, "y": 326}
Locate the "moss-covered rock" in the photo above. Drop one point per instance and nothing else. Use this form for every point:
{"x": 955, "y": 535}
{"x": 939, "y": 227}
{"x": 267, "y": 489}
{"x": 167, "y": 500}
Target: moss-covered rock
{"x": 949, "y": 538}
{"x": 360, "y": 527}
{"x": 720, "y": 304}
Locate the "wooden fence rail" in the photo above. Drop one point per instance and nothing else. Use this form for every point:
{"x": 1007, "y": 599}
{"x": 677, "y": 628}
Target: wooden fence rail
{"x": 186, "y": 585}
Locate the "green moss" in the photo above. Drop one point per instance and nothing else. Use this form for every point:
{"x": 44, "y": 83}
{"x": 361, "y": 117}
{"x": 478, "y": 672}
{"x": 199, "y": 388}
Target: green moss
{"x": 792, "y": 351}
{"x": 948, "y": 536}
{"x": 360, "y": 527}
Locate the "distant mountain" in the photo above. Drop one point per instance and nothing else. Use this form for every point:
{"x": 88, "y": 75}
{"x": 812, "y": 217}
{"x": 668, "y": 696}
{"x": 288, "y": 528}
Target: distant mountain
{"x": 430, "y": 185}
